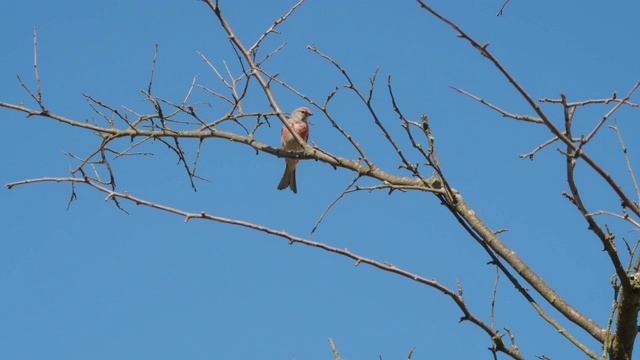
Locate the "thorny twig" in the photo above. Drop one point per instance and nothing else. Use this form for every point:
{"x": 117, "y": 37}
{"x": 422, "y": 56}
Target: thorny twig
{"x": 333, "y": 203}
{"x": 458, "y": 300}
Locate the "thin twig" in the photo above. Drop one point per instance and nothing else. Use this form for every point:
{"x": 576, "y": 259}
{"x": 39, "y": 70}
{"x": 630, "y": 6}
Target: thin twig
{"x": 607, "y": 115}
{"x": 410, "y": 353}
{"x": 153, "y": 67}
{"x": 538, "y": 148}
{"x": 493, "y": 298}
{"x": 528, "y": 118}
{"x": 35, "y": 67}
{"x": 502, "y": 8}
{"x": 193, "y": 84}
{"x": 626, "y": 157}
{"x": 259, "y": 63}
{"x": 625, "y": 217}
{"x": 430, "y": 155}
{"x": 272, "y": 29}
{"x": 333, "y": 203}
{"x": 589, "y": 102}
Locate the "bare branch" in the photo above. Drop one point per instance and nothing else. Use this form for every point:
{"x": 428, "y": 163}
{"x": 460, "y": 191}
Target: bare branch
{"x": 259, "y": 63}
{"x": 502, "y": 8}
{"x": 626, "y": 157}
{"x": 254, "y": 71}
{"x": 391, "y": 188}
{"x": 333, "y": 203}
{"x": 511, "y": 338}
{"x": 483, "y": 49}
{"x": 215, "y": 70}
{"x": 538, "y": 148}
{"x": 37, "y": 98}
{"x": 430, "y": 155}
{"x": 146, "y": 127}
{"x": 431, "y": 185}
{"x": 126, "y": 151}
{"x": 493, "y": 298}
{"x": 607, "y": 115}
{"x": 35, "y": 68}
{"x": 590, "y": 101}
{"x": 606, "y": 345}
{"x": 487, "y": 238}
{"x": 336, "y": 355}
{"x": 625, "y": 217}
{"x": 186, "y": 98}
{"x": 91, "y": 101}
{"x": 605, "y": 239}
{"x": 272, "y": 29}
{"x": 385, "y": 266}
{"x": 153, "y": 67}
{"x": 410, "y": 353}
{"x": 504, "y": 113}
{"x": 367, "y": 102}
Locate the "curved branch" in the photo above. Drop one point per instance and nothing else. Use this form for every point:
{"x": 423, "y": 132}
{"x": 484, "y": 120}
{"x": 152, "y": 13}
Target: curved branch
{"x": 504, "y": 113}
{"x": 495, "y": 245}
{"x": 455, "y": 296}
{"x": 527, "y": 273}
{"x": 534, "y": 105}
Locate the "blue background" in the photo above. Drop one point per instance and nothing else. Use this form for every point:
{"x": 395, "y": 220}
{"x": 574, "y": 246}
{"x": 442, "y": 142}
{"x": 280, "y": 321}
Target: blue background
{"x": 91, "y": 282}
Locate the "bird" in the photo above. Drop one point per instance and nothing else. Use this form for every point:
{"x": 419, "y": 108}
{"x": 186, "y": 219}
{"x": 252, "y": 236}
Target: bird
{"x": 298, "y": 122}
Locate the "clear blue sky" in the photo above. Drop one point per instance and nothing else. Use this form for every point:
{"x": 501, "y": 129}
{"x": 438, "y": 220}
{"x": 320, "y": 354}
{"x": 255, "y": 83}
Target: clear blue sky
{"x": 94, "y": 283}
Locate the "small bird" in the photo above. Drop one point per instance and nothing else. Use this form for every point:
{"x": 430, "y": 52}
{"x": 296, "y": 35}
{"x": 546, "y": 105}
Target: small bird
{"x": 298, "y": 121}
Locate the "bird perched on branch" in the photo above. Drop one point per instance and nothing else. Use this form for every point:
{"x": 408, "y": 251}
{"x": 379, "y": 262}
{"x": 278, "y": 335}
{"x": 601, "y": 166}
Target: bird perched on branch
{"x": 298, "y": 121}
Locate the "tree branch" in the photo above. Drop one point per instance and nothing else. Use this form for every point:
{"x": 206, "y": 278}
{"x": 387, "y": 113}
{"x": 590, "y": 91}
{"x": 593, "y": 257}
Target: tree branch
{"x": 483, "y": 48}
{"x": 385, "y": 266}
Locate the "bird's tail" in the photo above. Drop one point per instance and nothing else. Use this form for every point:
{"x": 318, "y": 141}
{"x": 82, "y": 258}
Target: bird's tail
{"x": 288, "y": 179}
